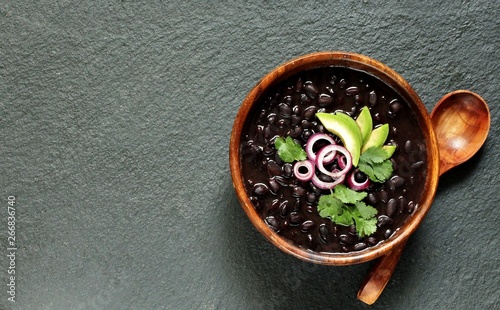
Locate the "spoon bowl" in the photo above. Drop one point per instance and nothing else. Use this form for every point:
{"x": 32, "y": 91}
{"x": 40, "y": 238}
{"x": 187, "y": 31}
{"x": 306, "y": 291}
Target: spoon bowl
{"x": 461, "y": 122}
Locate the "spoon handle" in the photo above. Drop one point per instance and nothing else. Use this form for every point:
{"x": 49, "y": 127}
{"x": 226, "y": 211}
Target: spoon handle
{"x": 379, "y": 275}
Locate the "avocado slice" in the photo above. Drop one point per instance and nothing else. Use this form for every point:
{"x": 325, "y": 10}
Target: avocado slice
{"x": 365, "y": 123}
{"x": 344, "y": 127}
{"x": 390, "y": 149}
{"x": 377, "y": 137}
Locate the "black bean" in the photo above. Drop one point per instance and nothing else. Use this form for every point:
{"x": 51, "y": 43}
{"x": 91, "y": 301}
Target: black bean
{"x": 260, "y": 189}
{"x": 402, "y": 203}
{"x": 274, "y": 186}
{"x": 255, "y": 202}
{"x": 323, "y": 232}
{"x": 272, "y": 222}
{"x": 396, "y": 182}
{"x": 320, "y": 128}
{"x": 352, "y": 230}
{"x": 351, "y": 91}
{"x": 417, "y": 164}
{"x": 372, "y": 240}
{"x": 372, "y": 198}
{"x": 383, "y": 220}
{"x": 309, "y": 112}
{"x": 383, "y": 195}
{"x": 342, "y": 83}
{"x": 285, "y": 224}
{"x": 271, "y": 118}
{"x": 283, "y": 122}
{"x": 296, "y": 132}
{"x": 287, "y": 170}
{"x": 307, "y": 124}
{"x": 325, "y": 100}
{"x": 273, "y": 205}
{"x": 346, "y": 239}
{"x": 387, "y": 233}
{"x": 311, "y": 198}
{"x": 285, "y": 110}
{"x": 306, "y": 134}
{"x": 310, "y": 241}
{"x": 376, "y": 117}
{"x": 297, "y": 110}
{"x": 372, "y": 98}
{"x": 411, "y": 207}
{"x": 306, "y": 225}
{"x": 268, "y": 150}
{"x": 360, "y": 246}
{"x": 288, "y": 100}
{"x": 304, "y": 99}
{"x": 295, "y": 218}
{"x": 391, "y": 207}
{"x": 296, "y": 120}
{"x": 408, "y": 146}
{"x": 311, "y": 90}
{"x": 315, "y": 189}
{"x": 282, "y": 181}
{"x": 395, "y": 106}
{"x": 283, "y": 208}
{"x": 298, "y": 191}
{"x": 330, "y": 90}
{"x": 268, "y": 132}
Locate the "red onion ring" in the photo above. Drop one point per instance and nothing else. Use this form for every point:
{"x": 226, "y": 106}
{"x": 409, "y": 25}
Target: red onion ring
{"x": 340, "y": 161}
{"x": 328, "y": 150}
{"x": 304, "y": 177}
{"x": 326, "y": 185}
{"x": 310, "y": 144}
{"x": 355, "y": 185}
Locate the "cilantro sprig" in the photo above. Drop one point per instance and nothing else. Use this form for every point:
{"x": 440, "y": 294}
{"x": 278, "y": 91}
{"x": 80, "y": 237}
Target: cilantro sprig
{"x": 289, "y": 150}
{"x": 375, "y": 163}
{"x": 345, "y": 207}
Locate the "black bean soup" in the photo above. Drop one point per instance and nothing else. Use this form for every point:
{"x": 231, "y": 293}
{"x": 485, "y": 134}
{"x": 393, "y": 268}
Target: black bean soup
{"x": 289, "y": 206}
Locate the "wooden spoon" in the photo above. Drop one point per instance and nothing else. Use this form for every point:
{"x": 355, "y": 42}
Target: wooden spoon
{"x": 461, "y": 121}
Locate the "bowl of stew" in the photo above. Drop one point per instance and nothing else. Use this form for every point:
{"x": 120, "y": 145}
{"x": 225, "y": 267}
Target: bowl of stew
{"x": 333, "y": 158}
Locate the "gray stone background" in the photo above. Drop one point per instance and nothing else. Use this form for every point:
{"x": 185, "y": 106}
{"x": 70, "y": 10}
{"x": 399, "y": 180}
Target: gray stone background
{"x": 114, "y": 129}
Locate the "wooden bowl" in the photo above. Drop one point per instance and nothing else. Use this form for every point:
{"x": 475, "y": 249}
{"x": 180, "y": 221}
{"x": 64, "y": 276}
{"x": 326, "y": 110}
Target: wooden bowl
{"x": 388, "y": 76}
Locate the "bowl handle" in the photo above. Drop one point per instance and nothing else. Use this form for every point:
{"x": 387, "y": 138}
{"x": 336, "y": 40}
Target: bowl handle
{"x": 379, "y": 275}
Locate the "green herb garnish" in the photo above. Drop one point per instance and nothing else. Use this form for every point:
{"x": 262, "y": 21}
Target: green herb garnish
{"x": 289, "y": 150}
{"x": 375, "y": 163}
{"x": 345, "y": 207}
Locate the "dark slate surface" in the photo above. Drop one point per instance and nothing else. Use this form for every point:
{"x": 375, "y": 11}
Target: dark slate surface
{"x": 114, "y": 130}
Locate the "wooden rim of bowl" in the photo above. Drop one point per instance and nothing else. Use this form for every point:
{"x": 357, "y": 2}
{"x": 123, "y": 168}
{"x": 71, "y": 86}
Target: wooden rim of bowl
{"x": 390, "y": 77}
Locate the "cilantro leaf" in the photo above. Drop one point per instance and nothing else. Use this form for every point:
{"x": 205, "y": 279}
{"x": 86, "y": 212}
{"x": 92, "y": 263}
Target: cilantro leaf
{"x": 375, "y": 163}
{"x": 344, "y": 219}
{"x": 345, "y": 207}
{"x": 365, "y": 227}
{"x": 366, "y": 211}
{"x": 347, "y": 195}
{"x": 375, "y": 155}
{"x": 329, "y": 206}
{"x": 289, "y": 150}
{"x": 383, "y": 170}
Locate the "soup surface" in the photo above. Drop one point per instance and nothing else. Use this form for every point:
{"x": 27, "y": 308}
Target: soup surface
{"x": 290, "y": 206}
